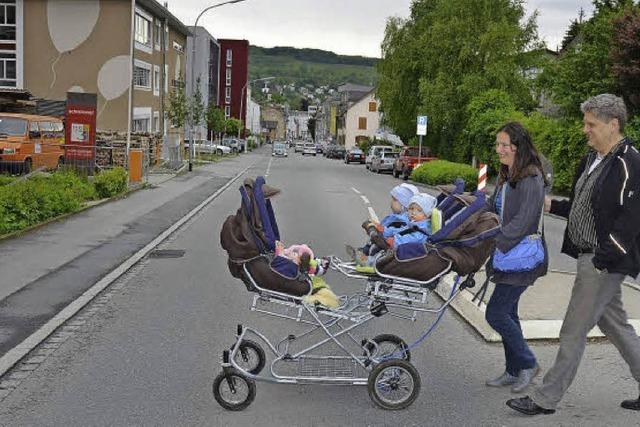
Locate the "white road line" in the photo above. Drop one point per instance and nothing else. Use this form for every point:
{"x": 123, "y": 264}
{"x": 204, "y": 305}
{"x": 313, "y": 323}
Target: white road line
{"x": 355, "y": 190}
{"x": 268, "y": 168}
{"x": 365, "y": 200}
{"x": 372, "y": 215}
{"x": 14, "y": 355}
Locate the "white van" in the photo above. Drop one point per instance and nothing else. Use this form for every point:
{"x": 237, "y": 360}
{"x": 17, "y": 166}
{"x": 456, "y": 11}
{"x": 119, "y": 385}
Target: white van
{"x": 375, "y": 150}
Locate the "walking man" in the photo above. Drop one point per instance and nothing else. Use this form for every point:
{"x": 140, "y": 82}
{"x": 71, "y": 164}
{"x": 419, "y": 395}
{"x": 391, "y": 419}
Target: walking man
{"x": 603, "y": 234}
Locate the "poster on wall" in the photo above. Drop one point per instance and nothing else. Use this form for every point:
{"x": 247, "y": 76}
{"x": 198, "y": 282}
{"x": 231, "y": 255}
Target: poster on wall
{"x": 80, "y": 130}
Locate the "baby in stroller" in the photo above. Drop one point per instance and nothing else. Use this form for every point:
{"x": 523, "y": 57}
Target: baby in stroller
{"x": 417, "y": 230}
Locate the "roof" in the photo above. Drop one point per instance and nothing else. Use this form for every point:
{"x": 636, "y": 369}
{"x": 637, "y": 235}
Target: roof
{"x": 157, "y": 9}
{"x": 351, "y": 87}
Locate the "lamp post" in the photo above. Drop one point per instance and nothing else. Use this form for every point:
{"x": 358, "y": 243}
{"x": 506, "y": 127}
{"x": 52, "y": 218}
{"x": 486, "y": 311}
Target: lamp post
{"x": 193, "y": 66}
{"x": 242, "y": 96}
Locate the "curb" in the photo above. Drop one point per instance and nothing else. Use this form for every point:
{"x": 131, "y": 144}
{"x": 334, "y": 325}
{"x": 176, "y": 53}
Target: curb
{"x": 13, "y": 356}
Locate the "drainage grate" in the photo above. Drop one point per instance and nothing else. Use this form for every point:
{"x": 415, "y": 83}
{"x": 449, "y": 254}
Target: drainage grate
{"x": 167, "y": 253}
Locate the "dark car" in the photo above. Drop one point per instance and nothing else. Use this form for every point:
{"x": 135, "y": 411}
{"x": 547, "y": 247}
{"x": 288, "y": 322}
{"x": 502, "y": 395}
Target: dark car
{"x": 354, "y": 155}
{"x": 337, "y": 152}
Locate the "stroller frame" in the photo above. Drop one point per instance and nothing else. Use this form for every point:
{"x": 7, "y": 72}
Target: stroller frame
{"x": 375, "y": 367}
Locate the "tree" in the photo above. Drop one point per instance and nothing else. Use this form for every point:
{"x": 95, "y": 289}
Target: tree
{"x": 625, "y": 57}
{"x": 311, "y": 126}
{"x": 446, "y": 53}
{"x": 232, "y": 126}
{"x": 177, "y": 110}
{"x": 214, "y": 117}
{"x": 196, "y": 106}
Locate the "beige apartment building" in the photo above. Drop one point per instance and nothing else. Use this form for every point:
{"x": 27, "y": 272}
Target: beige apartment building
{"x": 131, "y": 53}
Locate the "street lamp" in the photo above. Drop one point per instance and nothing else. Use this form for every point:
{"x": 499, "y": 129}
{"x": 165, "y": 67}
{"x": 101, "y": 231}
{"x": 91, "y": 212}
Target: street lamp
{"x": 263, "y": 79}
{"x": 193, "y": 66}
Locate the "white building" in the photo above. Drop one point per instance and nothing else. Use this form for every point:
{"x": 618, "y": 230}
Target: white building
{"x": 206, "y": 68}
{"x": 362, "y": 120}
{"x": 253, "y": 115}
{"x": 297, "y": 124}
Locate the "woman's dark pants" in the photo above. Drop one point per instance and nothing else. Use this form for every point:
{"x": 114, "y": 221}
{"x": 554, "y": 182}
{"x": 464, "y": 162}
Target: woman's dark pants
{"x": 502, "y": 315}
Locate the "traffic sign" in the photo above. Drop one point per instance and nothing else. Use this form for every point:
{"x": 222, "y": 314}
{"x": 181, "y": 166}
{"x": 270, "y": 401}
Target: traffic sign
{"x": 422, "y": 125}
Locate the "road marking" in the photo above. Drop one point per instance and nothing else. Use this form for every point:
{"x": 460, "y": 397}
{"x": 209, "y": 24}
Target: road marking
{"x": 355, "y": 190}
{"x": 268, "y": 168}
{"x": 365, "y": 200}
{"x": 372, "y": 215}
{"x": 14, "y": 355}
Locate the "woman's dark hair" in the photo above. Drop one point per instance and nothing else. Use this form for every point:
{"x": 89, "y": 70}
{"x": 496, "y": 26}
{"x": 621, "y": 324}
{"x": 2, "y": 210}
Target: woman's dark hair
{"x": 526, "y": 160}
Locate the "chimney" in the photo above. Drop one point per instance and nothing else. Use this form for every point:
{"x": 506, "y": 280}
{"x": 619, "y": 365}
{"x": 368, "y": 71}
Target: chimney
{"x": 166, "y": 5}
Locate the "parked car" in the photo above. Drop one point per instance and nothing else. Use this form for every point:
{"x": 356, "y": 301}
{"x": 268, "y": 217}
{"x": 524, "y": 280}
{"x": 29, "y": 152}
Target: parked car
{"x": 279, "y": 149}
{"x": 233, "y": 144}
{"x": 335, "y": 151}
{"x": 319, "y": 148}
{"x": 29, "y": 142}
{"x": 383, "y": 161}
{"x": 299, "y": 147}
{"x": 328, "y": 149}
{"x": 309, "y": 148}
{"x": 354, "y": 155}
{"x": 409, "y": 159}
{"x": 374, "y": 150}
{"x": 208, "y": 147}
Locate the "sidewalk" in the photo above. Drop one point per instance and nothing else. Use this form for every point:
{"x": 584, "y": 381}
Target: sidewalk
{"x": 542, "y": 306}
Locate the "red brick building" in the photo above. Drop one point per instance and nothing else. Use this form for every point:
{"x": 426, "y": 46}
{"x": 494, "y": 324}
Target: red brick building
{"x": 234, "y": 74}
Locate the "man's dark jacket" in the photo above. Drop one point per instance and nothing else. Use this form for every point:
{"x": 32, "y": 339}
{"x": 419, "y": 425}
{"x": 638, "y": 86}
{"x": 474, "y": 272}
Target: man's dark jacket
{"x": 616, "y": 209}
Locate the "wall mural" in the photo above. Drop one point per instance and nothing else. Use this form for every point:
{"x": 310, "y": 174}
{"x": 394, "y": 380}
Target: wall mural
{"x": 114, "y": 78}
{"x": 70, "y": 23}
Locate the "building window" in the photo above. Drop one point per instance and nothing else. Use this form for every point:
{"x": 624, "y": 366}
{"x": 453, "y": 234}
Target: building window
{"x": 228, "y": 77}
{"x": 8, "y": 21}
{"x": 156, "y": 122}
{"x": 8, "y": 59}
{"x": 143, "y": 31}
{"x": 140, "y": 125}
{"x": 373, "y": 107}
{"x": 227, "y": 112}
{"x": 142, "y": 75}
{"x": 158, "y": 35}
{"x": 156, "y": 80}
{"x": 227, "y": 94}
{"x": 177, "y": 46}
{"x": 229, "y": 57}
{"x": 362, "y": 123}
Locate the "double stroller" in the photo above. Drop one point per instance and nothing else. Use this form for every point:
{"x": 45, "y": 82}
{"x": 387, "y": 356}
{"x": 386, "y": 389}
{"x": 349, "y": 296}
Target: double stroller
{"x": 328, "y": 350}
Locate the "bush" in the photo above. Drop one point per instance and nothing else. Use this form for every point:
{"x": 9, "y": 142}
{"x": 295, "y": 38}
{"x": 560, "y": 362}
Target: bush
{"x": 440, "y": 172}
{"x": 41, "y": 198}
{"x": 6, "y": 179}
{"x": 632, "y": 129}
{"x": 111, "y": 183}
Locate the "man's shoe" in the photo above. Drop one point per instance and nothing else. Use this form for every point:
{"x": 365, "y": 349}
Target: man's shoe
{"x": 526, "y": 406}
{"x": 503, "y": 380}
{"x": 524, "y": 379}
{"x": 633, "y": 404}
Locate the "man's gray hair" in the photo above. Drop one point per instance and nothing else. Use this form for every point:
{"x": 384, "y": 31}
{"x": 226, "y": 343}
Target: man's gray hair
{"x": 606, "y": 107}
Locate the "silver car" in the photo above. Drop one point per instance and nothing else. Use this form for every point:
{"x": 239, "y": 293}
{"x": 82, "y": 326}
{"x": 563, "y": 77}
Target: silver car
{"x": 383, "y": 161}
{"x": 309, "y": 148}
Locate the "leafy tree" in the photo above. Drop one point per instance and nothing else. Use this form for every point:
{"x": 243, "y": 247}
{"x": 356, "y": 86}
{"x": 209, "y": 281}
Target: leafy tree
{"x": 215, "y": 119}
{"x": 196, "y": 106}
{"x": 177, "y": 110}
{"x": 625, "y": 57}
{"x": 232, "y": 126}
{"x": 311, "y": 126}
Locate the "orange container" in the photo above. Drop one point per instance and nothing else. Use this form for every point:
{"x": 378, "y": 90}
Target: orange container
{"x": 135, "y": 165}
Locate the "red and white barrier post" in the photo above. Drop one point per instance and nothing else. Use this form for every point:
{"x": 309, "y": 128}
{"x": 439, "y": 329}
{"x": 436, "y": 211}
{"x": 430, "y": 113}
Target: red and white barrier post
{"x": 482, "y": 177}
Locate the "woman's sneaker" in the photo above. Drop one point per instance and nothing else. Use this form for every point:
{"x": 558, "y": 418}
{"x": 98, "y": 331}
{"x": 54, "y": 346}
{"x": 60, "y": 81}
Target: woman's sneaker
{"x": 503, "y": 380}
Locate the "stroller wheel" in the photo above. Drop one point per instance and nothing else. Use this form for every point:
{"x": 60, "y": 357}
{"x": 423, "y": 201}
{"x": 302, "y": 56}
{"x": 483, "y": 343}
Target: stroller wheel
{"x": 388, "y": 345}
{"x": 233, "y": 391}
{"x": 250, "y": 357}
{"x": 394, "y": 384}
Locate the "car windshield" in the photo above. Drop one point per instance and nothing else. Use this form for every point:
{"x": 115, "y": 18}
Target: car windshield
{"x": 413, "y": 152}
{"x": 310, "y": 146}
{"x": 278, "y": 146}
{"x": 12, "y": 126}
{"x": 356, "y": 151}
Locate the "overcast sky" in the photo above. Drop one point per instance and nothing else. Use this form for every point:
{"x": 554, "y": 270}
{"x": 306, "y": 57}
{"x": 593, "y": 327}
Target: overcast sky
{"x": 350, "y": 27}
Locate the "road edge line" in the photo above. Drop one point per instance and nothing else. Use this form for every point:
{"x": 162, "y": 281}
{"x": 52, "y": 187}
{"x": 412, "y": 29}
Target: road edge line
{"x": 17, "y": 353}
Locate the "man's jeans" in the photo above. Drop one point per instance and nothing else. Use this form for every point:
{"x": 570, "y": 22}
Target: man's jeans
{"x": 595, "y": 300}
{"x": 502, "y": 315}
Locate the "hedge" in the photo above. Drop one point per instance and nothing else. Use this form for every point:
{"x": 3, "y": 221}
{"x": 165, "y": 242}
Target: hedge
{"x": 439, "y": 172}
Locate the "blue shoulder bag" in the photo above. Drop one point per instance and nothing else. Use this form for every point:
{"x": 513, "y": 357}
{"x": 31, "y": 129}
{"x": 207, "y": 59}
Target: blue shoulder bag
{"x": 526, "y": 255}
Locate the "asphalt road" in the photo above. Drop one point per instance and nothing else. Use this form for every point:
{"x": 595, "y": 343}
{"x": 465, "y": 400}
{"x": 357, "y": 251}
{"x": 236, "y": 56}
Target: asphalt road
{"x": 146, "y": 352}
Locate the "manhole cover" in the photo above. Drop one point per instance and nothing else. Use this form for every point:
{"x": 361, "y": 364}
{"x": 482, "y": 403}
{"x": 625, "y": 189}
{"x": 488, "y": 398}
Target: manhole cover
{"x": 167, "y": 253}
